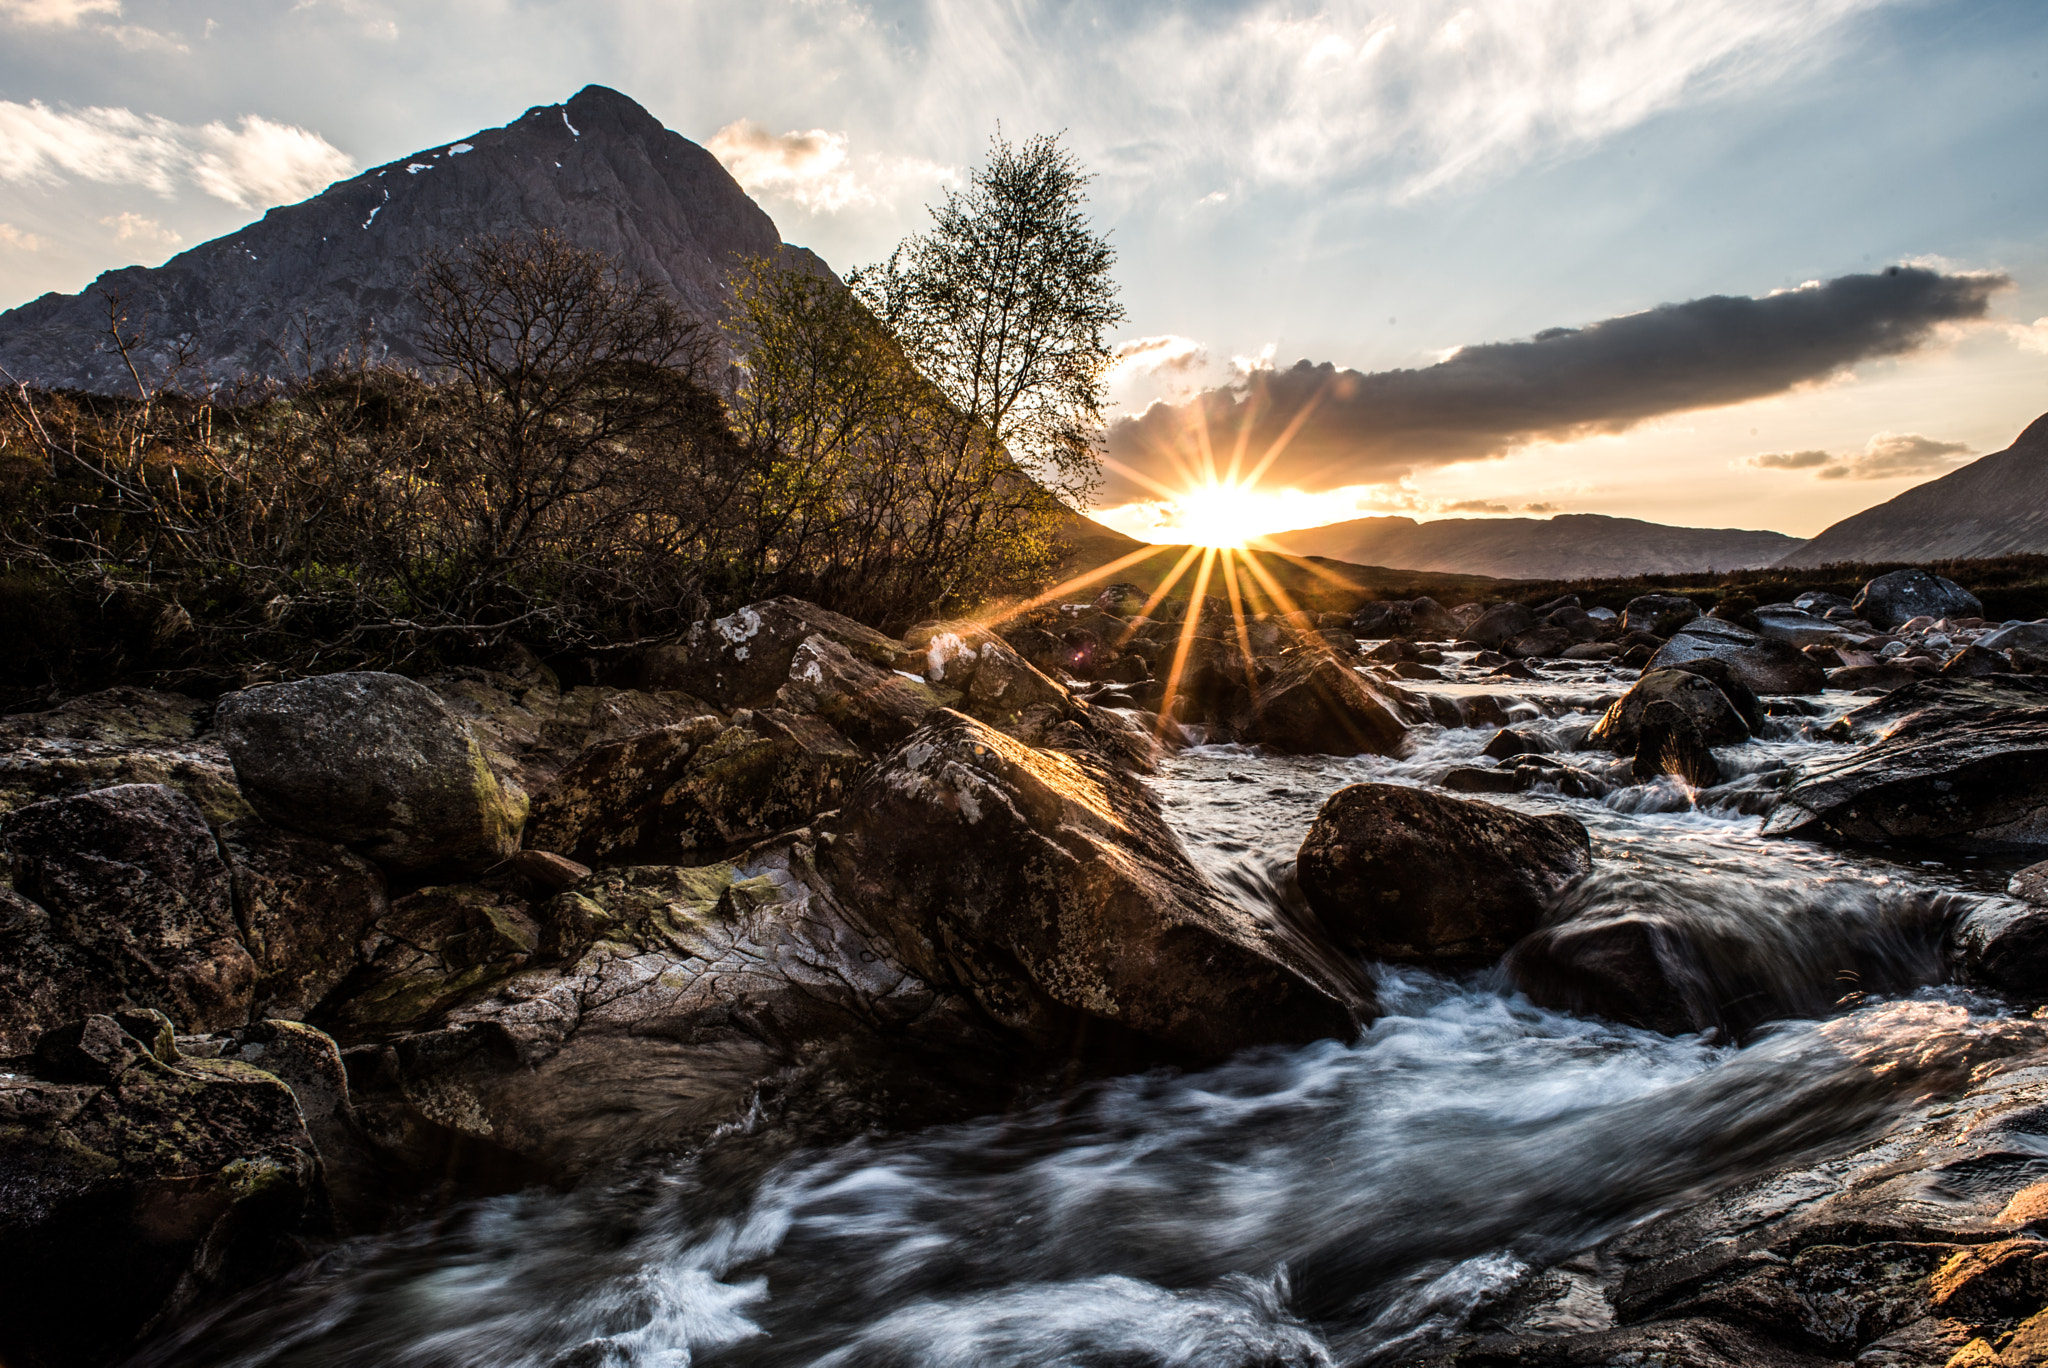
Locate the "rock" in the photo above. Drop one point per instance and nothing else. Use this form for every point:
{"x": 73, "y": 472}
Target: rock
{"x": 694, "y": 789}
{"x": 551, "y": 871}
{"x": 1542, "y": 642}
{"x": 530, "y": 726}
{"x": 1121, "y": 600}
{"x": 1402, "y": 874}
{"x": 2004, "y": 945}
{"x": 1422, "y": 619}
{"x": 1004, "y": 685}
{"x": 1693, "y": 695}
{"x": 2032, "y": 634}
{"x": 1817, "y": 602}
{"x": 2031, "y": 883}
{"x": 137, "y": 896}
{"x": 1397, "y": 652}
{"x": 433, "y": 949}
{"x": 1886, "y": 676}
{"x": 1827, "y": 657}
{"x": 1800, "y": 629}
{"x": 303, "y": 905}
{"x": 1671, "y": 742}
{"x": 374, "y": 762}
{"x": 874, "y": 706}
{"x": 1499, "y": 624}
{"x": 1421, "y": 673}
{"x": 117, "y": 736}
{"x": 1592, "y": 650}
{"x": 1740, "y": 696}
{"x": 1903, "y": 595}
{"x": 1975, "y": 662}
{"x": 1064, "y": 905}
{"x": 743, "y": 659}
{"x": 1507, "y": 743}
{"x": 1766, "y": 667}
{"x": 1961, "y": 763}
{"x": 1315, "y": 704}
{"x": 141, "y": 1186}
{"x": 1659, "y": 614}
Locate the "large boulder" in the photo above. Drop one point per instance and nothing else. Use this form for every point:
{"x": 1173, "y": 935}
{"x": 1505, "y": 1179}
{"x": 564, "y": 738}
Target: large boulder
{"x": 1958, "y": 763}
{"x": 139, "y": 1185}
{"x": 122, "y": 890}
{"x": 2030, "y": 634}
{"x": 1763, "y": 665}
{"x": 874, "y": 705}
{"x": 432, "y": 950}
{"x": 375, "y": 762}
{"x": 1903, "y": 595}
{"x": 303, "y": 906}
{"x": 1658, "y": 614}
{"x": 693, "y": 789}
{"x": 1670, "y": 742}
{"x": 1062, "y": 904}
{"x": 1400, "y": 873}
{"x": 1694, "y": 695}
{"x": 742, "y": 659}
{"x": 1422, "y": 619}
{"x": 1314, "y": 703}
{"x": 1499, "y": 624}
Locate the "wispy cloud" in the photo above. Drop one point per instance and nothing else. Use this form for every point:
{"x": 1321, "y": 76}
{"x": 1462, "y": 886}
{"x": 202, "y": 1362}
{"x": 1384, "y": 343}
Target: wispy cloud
{"x": 251, "y": 163}
{"x": 132, "y": 227}
{"x": 11, "y": 236}
{"x": 1151, "y": 356}
{"x": 1886, "y": 456}
{"x": 814, "y": 169}
{"x": 58, "y": 13}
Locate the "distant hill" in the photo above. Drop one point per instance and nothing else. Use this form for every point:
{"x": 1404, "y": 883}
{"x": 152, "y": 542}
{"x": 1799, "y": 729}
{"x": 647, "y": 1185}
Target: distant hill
{"x": 1569, "y": 546}
{"x": 338, "y": 267}
{"x": 1997, "y": 505}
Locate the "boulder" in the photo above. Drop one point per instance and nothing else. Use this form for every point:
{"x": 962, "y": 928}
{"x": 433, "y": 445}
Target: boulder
{"x": 1886, "y": 676}
{"x": 1542, "y": 642}
{"x": 375, "y": 762}
{"x": 1004, "y": 684}
{"x": 1764, "y": 666}
{"x": 1422, "y": 619}
{"x": 1121, "y": 600}
{"x": 1499, "y": 624}
{"x": 1903, "y": 595}
{"x": 1959, "y": 763}
{"x": 303, "y": 906}
{"x": 1671, "y": 742}
{"x": 126, "y": 887}
{"x": 742, "y": 659}
{"x": 1694, "y": 695}
{"x": 2031, "y": 883}
{"x": 2030, "y": 634}
{"x": 117, "y": 736}
{"x": 1975, "y": 662}
{"x": 1399, "y": 873}
{"x": 1800, "y": 629}
{"x": 141, "y": 1186}
{"x": 432, "y": 950}
{"x": 1739, "y": 695}
{"x": 1064, "y": 906}
{"x": 2002, "y": 944}
{"x": 875, "y": 706}
{"x": 1658, "y": 614}
{"x": 1313, "y": 703}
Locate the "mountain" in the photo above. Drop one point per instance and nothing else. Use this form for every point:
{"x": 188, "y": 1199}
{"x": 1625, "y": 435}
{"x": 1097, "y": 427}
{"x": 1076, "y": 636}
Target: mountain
{"x": 337, "y": 268}
{"x": 1569, "y": 546}
{"x": 1997, "y": 505}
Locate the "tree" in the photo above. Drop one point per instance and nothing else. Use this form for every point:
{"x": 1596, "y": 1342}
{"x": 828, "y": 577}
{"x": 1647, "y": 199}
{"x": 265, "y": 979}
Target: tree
{"x": 1006, "y": 305}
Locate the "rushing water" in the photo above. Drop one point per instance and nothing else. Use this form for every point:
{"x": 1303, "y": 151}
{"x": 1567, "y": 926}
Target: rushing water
{"x": 1330, "y": 1204}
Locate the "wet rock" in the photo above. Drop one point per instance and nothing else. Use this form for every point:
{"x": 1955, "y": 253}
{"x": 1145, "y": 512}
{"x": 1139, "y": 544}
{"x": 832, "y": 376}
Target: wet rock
{"x": 2031, "y": 883}
{"x": 1902, "y": 595}
{"x": 1975, "y": 662}
{"x": 741, "y": 660}
{"x": 1523, "y": 774}
{"x": 1315, "y": 704}
{"x": 302, "y": 906}
{"x": 141, "y": 1186}
{"x": 1064, "y": 905}
{"x": 2029, "y": 634}
{"x": 1670, "y": 742}
{"x": 1765, "y": 666}
{"x": 1499, "y": 624}
{"x": 1692, "y": 695}
{"x": 1508, "y": 742}
{"x": 1658, "y": 614}
{"x": 1800, "y": 629}
{"x": 1740, "y": 696}
{"x": 698, "y": 787}
{"x": 117, "y": 736}
{"x": 1592, "y": 650}
{"x": 1960, "y": 763}
{"x": 433, "y": 949}
{"x": 374, "y": 762}
{"x": 1886, "y": 676}
{"x": 1514, "y": 669}
{"x": 1542, "y": 642}
{"x": 1403, "y": 874}
{"x": 137, "y": 900}
{"x": 874, "y": 706}
{"x": 1422, "y": 619}
{"x": 1419, "y": 673}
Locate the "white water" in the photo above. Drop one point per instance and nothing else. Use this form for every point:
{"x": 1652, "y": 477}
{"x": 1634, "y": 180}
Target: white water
{"x": 1323, "y": 1205}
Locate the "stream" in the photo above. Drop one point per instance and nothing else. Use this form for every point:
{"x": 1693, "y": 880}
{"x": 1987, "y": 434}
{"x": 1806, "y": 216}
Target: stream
{"x": 1329, "y": 1204}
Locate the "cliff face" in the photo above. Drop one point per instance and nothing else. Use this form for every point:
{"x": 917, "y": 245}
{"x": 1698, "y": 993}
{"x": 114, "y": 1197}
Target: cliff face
{"x": 335, "y": 272}
{"x": 1570, "y": 546}
{"x": 1995, "y": 506}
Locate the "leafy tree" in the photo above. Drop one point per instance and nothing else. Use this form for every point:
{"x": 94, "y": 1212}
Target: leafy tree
{"x": 1006, "y": 305}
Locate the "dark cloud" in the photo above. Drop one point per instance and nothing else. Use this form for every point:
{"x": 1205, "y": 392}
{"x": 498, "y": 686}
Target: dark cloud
{"x": 1476, "y": 506}
{"x": 1542, "y": 508}
{"x": 1887, "y": 456}
{"x": 1562, "y": 383}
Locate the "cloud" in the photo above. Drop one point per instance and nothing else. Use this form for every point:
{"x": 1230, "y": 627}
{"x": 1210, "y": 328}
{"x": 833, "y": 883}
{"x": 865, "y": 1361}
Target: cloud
{"x": 11, "y": 236}
{"x": 57, "y": 13}
{"x": 1540, "y": 508}
{"x": 813, "y": 168}
{"x": 255, "y": 162}
{"x": 1476, "y": 506}
{"x": 1166, "y": 354}
{"x": 1886, "y": 456}
{"x": 1332, "y": 428}
{"x": 132, "y": 227}
{"x": 2030, "y": 336}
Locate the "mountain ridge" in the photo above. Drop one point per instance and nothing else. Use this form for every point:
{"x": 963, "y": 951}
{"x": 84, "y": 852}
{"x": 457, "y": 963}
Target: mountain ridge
{"x": 1568, "y": 546}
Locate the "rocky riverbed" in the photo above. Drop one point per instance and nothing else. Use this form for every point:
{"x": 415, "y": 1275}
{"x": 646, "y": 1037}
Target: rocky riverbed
{"x": 1499, "y": 985}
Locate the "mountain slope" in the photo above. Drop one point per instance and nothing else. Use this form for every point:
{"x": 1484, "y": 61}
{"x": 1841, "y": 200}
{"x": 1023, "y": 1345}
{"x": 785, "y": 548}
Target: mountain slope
{"x": 1997, "y": 505}
{"x": 1569, "y": 546}
{"x": 330, "y": 272}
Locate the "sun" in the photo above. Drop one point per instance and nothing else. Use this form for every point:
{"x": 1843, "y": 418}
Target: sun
{"x": 1220, "y": 515}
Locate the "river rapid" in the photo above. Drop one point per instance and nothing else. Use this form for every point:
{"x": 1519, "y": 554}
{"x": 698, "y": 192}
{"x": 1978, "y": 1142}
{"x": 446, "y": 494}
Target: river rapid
{"x": 1331, "y": 1204}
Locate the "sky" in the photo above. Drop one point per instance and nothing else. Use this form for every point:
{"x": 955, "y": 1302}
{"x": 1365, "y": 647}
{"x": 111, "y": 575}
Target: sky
{"x": 1746, "y": 263}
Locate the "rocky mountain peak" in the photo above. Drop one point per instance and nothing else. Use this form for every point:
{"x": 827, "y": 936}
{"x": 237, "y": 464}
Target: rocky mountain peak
{"x": 334, "y": 272}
